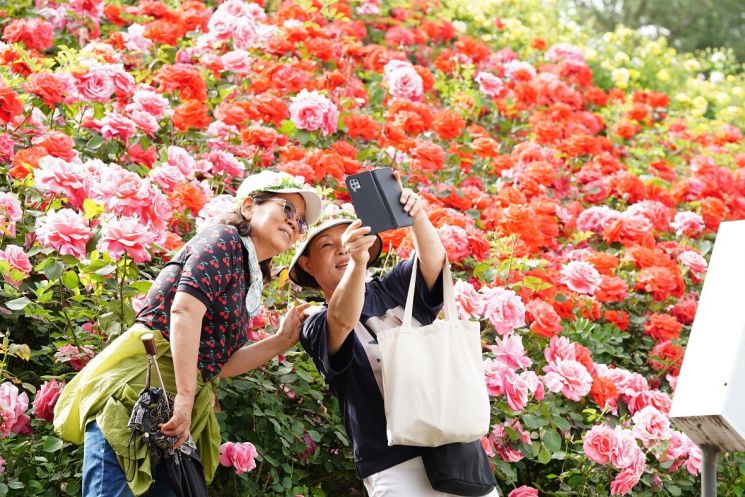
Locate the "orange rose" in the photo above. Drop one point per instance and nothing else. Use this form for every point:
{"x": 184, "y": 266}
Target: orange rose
{"x": 663, "y": 327}
{"x": 192, "y": 114}
{"x": 10, "y": 105}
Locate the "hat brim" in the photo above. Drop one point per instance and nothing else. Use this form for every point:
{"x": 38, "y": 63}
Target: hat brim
{"x": 301, "y": 277}
{"x": 313, "y": 203}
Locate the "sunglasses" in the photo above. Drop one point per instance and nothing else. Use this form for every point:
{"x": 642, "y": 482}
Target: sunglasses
{"x": 291, "y": 213}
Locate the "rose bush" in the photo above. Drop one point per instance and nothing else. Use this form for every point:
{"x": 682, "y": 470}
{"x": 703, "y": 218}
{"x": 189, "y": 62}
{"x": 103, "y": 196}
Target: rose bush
{"x": 577, "y": 180}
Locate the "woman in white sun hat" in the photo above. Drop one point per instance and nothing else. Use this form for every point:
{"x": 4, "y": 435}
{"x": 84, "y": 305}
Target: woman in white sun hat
{"x": 199, "y": 309}
{"x": 341, "y": 338}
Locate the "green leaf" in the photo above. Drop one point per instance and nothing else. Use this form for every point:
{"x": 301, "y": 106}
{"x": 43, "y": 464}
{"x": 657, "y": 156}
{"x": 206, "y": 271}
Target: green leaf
{"x": 94, "y": 143}
{"x": 54, "y": 270}
{"x": 287, "y": 128}
{"x": 561, "y": 423}
{"x": 70, "y": 280}
{"x": 142, "y": 286}
{"x": 3, "y": 489}
{"x": 21, "y": 351}
{"x": 17, "y": 304}
{"x": 532, "y": 421}
{"x": 552, "y": 441}
{"x": 544, "y": 456}
{"x": 52, "y": 444}
{"x": 15, "y": 484}
{"x": 314, "y": 435}
{"x": 106, "y": 270}
{"x": 674, "y": 490}
{"x": 91, "y": 208}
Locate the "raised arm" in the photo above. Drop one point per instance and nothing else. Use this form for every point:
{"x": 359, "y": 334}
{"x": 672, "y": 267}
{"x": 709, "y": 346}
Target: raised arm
{"x": 345, "y": 304}
{"x": 430, "y": 251}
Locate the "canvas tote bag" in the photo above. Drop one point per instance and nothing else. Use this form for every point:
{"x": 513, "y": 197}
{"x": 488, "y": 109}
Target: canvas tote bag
{"x": 434, "y": 387}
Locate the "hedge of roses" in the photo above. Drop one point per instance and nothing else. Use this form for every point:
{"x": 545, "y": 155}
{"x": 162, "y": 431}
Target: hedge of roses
{"x": 576, "y": 179}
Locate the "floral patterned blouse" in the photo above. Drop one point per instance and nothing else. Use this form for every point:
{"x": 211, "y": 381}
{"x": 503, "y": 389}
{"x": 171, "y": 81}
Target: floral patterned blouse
{"x": 212, "y": 267}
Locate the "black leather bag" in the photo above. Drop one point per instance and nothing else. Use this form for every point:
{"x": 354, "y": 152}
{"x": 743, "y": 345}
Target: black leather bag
{"x": 459, "y": 468}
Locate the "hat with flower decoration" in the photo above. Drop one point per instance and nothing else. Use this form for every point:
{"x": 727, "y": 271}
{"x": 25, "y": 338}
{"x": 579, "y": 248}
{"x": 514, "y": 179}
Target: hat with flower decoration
{"x": 333, "y": 215}
{"x": 280, "y": 182}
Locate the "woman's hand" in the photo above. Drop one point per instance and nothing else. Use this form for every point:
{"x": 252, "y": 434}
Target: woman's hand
{"x": 290, "y": 325}
{"x": 357, "y": 242}
{"x": 180, "y": 423}
{"x": 412, "y": 202}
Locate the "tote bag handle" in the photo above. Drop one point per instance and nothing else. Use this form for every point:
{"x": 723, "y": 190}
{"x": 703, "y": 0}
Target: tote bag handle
{"x": 448, "y": 294}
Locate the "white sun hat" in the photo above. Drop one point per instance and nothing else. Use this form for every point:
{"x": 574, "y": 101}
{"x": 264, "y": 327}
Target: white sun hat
{"x": 280, "y": 182}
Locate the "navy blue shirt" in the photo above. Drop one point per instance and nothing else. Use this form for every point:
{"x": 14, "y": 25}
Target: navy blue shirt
{"x": 354, "y": 372}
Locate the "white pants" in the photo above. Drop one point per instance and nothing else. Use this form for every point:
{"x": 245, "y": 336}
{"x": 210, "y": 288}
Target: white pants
{"x": 408, "y": 479}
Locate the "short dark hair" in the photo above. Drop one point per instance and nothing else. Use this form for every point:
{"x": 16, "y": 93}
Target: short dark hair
{"x": 236, "y": 219}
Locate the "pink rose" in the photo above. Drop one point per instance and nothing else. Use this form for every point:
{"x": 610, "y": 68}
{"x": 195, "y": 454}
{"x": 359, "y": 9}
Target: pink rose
{"x": 516, "y": 390}
{"x": 77, "y": 358}
{"x": 560, "y": 348}
{"x": 95, "y": 85}
{"x": 509, "y": 351}
{"x": 182, "y": 159}
{"x": 517, "y": 69}
{"x": 237, "y": 61}
{"x": 650, "y": 425}
{"x": 312, "y": 111}
{"x": 595, "y": 218}
{"x": 502, "y": 444}
{"x": 490, "y": 85}
{"x": 122, "y": 192}
{"x": 565, "y": 51}
{"x": 135, "y": 39}
{"x": 63, "y": 178}
{"x": 568, "y": 377}
{"x": 598, "y": 443}
{"x": 240, "y": 456}
{"x": 225, "y": 162}
{"x": 115, "y": 126}
{"x": 65, "y": 230}
{"x": 627, "y": 479}
{"x": 402, "y": 80}
{"x": 524, "y": 491}
{"x": 124, "y": 82}
{"x": 20, "y": 265}
{"x": 158, "y": 212}
{"x": 687, "y": 223}
{"x": 7, "y": 145}
{"x": 468, "y": 301}
{"x": 10, "y": 213}
{"x": 13, "y": 407}
{"x": 46, "y": 398}
{"x": 145, "y": 121}
{"x": 625, "y": 451}
{"x": 2, "y": 465}
{"x": 214, "y": 208}
{"x": 455, "y": 240}
{"x": 167, "y": 176}
{"x": 126, "y": 234}
{"x": 503, "y": 308}
{"x": 581, "y": 277}
{"x": 693, "y": 261}
{"x": 150, "y": 102}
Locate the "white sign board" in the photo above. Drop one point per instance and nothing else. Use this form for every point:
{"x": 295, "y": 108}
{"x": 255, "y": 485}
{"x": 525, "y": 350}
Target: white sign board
{"x": 709, "y": 400}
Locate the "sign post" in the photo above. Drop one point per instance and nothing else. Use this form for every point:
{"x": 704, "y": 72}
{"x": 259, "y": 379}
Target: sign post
{"x": 709, "y": 400}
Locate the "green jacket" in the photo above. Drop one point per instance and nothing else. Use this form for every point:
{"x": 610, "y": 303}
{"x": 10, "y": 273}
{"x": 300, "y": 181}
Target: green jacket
{"x": 107, "y": 388}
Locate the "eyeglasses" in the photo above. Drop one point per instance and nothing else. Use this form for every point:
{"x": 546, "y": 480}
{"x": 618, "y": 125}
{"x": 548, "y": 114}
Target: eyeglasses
{"x": 291, "y": 213}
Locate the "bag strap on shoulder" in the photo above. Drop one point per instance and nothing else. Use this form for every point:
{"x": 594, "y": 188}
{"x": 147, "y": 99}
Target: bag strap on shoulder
{"x": 448, "y": 294}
